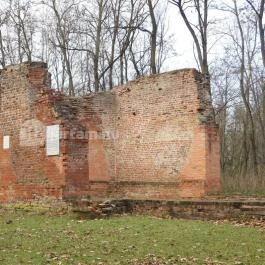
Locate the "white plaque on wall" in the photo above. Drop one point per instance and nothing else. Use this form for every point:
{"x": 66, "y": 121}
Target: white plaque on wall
{"x": 53, "y": 140}
{"x": 6, "y": 142}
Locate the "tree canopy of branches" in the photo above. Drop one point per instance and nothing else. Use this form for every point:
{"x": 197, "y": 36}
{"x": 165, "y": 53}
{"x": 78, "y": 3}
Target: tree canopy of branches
{"x": 88, "y": 45}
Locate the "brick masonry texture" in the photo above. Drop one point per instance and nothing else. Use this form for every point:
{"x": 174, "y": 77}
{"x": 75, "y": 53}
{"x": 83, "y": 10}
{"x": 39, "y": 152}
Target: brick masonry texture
{"x": 153, "y": 138}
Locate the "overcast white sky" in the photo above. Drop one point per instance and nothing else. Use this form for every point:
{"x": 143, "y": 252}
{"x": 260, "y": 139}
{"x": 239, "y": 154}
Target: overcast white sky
{"x": 184, "y": 43}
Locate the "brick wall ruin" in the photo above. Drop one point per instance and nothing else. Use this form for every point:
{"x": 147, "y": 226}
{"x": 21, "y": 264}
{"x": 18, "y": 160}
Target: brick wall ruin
{"x": 153, "y": 138}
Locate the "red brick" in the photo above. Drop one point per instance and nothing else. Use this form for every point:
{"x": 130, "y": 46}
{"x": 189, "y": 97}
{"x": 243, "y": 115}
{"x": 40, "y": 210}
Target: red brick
{"x": 164, "y": 143}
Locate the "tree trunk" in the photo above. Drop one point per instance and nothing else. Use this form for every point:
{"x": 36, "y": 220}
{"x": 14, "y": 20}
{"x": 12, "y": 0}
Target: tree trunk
{"x": 153, "y": 38}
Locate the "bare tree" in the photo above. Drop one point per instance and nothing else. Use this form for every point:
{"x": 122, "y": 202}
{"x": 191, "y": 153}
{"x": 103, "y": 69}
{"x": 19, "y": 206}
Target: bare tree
{"x": 199, "y": 32}
{"x": 63, "y": 30}
{"x": 20, "y": 16}
{"x": 259, "y": 11}
{"x": 3, "y": 21}
{"x": 153, "y": 42}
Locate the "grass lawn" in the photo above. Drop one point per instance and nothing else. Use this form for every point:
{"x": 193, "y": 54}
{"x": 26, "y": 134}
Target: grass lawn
{"x": 28, "y": 238}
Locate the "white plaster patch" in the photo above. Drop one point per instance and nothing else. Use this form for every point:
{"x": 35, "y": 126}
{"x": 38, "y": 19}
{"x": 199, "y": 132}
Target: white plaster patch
{"x": 53, "y": 140}
{"x": 6, "y": 142}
